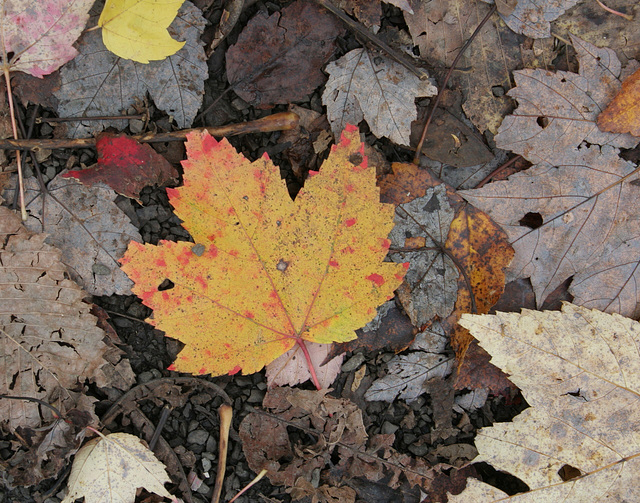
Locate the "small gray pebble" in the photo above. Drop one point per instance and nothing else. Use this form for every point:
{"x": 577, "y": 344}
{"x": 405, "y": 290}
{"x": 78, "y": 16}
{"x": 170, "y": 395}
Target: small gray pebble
{"x": 353, "y": 363}
{"x": 145, "y": 377}
{"x": 418, "y": 450}
{"x": 45, "y": 129}
{"x": 135, "y": 126}
{"x": 206, "y": 464}
{"x": 256, "y": 396}
{"x": 51, "y": 172}
{"x": 388, "y": 427}
{"x": 197, "y": 437}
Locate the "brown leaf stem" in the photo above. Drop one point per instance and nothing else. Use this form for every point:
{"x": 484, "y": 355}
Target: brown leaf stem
{"x": 226, "y": 414}
{"x": 416, "y": 159}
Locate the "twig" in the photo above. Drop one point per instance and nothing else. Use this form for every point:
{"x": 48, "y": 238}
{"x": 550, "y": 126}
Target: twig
{"x": 283, "y": 121}
{"x": 226, "y": 414}
{"x": 52, "y": 120}
{"x": 416, "y": 159}
{"x": 56, "y": 412}
{"x": 166, "y": 410}
{"x": 12, "y": 113}
{"x": 374, "y": 39}
{"x": 628, "y": 17}
{"x": 257, "y": 478}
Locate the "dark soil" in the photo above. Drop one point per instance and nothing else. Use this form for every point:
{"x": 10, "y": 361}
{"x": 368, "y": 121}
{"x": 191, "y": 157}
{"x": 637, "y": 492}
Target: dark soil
{"x": 191, "y": 429}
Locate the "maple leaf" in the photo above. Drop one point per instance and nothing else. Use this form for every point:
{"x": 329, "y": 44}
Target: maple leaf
{"x": 38, "y": 37}
{"x": 376, "y": 88}
{"x": 137, "y": 29}
{"x": 266, "y": 272}
{"x": 578, "y": 369}
{"x": 110, "y": 469}
{"x": 576, "y": 208}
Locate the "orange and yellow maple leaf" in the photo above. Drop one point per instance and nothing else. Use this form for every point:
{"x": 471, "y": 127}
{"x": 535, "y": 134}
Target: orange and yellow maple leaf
{"x": 267, "y": 272}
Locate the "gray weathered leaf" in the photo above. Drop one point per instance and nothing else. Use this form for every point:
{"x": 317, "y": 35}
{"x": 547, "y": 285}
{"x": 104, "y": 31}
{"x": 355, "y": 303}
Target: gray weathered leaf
{"x": 97, "y": 82}
{"x": 363, "y": 85}
{"x": 89, "y": 229}
{"x": 532, "y": 18}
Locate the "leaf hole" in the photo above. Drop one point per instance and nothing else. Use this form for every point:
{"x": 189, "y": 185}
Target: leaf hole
{"x": 543, "y": 122}
{"x": 531, "y": 220}
{"x": 167, "y": 284}
{"x": 356, "y": 159}
{"x": 498, "y": 91}
{"x": 568, "y": 472}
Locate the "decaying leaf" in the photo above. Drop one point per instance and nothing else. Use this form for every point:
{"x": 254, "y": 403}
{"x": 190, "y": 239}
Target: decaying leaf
{"x": 137, "y": 29}
{"x": 337, "y": 432}
{"x": 97, "y": 82}
{"x": 578, "y": 369}
{"x": 87, "y": 226}
{"x": 51, "y": 347}
{"x": 441, "y": 27}
{"x": 532, "y": 18}
{"x": 365, "y": 85}
{"x": 279, "y": 58}
{"x": 126, "y": 166}
{"x": 292, "y": 368}
{"x": 110, "y": 469}
{"x": 457, "y": 253}
{"x": 266, "y": 272}
{"x": 38, "y": 39}
{"x": 590, "y": 22}
{"x": 622, "y": 115}
{"x": 576, "y": 208}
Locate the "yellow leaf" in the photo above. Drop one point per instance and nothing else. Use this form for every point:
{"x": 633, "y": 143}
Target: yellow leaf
{"x": 109, "y": 469}
{"x": 267, "y": 272}
{"x": 137, "y": 29}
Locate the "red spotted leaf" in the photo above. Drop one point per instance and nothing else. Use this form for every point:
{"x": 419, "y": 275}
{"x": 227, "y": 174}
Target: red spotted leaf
{"x": 267, "y": 272}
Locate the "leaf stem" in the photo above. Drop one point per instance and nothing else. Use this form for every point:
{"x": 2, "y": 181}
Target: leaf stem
{"x": 12, "y": 113}
{"x": 314, "y": 376}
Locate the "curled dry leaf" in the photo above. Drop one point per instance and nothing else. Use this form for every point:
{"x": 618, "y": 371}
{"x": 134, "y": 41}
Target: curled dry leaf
{"x": 365, "y": 85}
{"x": 110, "y": 469}
{"x": 575, "y": 214}
{"x": 138, "y": 30}
{"x": 39, "y": 36}
{"x": 92, "y": 233}
{"x": 279, "y": 58}
{"x": 98, "y": 82}
{"x": 584, "y": 410}
{"x": 532, "y": 18}
{"x": 267, "y": 273}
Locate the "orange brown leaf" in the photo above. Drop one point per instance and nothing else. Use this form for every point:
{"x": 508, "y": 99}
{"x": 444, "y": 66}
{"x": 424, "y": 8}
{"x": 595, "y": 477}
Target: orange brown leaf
{"x": 622, "y": 115}
{"x": 267, "y": 272}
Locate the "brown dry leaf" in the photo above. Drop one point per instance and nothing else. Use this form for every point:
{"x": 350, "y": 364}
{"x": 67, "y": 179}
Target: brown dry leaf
{"x": 575, "y": 212}
{"x": 51, "y": 347}
{"x": 579, "y": 370}
{"x": 278, "y": 58}
{"x": 323, "y": 494}
{"x": 370, "y": 86}
{"x": 622, "y": 115}
{"x": 337, "y": 429}
{"x": 89, "y": 229}
{"x": 110, "y": 469}
{"x": 441, "y": 27}
{"x": 291, "y": 368}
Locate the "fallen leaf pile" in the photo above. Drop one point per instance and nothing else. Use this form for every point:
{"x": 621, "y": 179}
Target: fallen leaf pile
{"x": 51, "y": 347}
{"x": 574, "y": 213}
{"x": 265, "y": 271}
{"x": 578, "y": 370}
{"x": 337, "y": 431}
